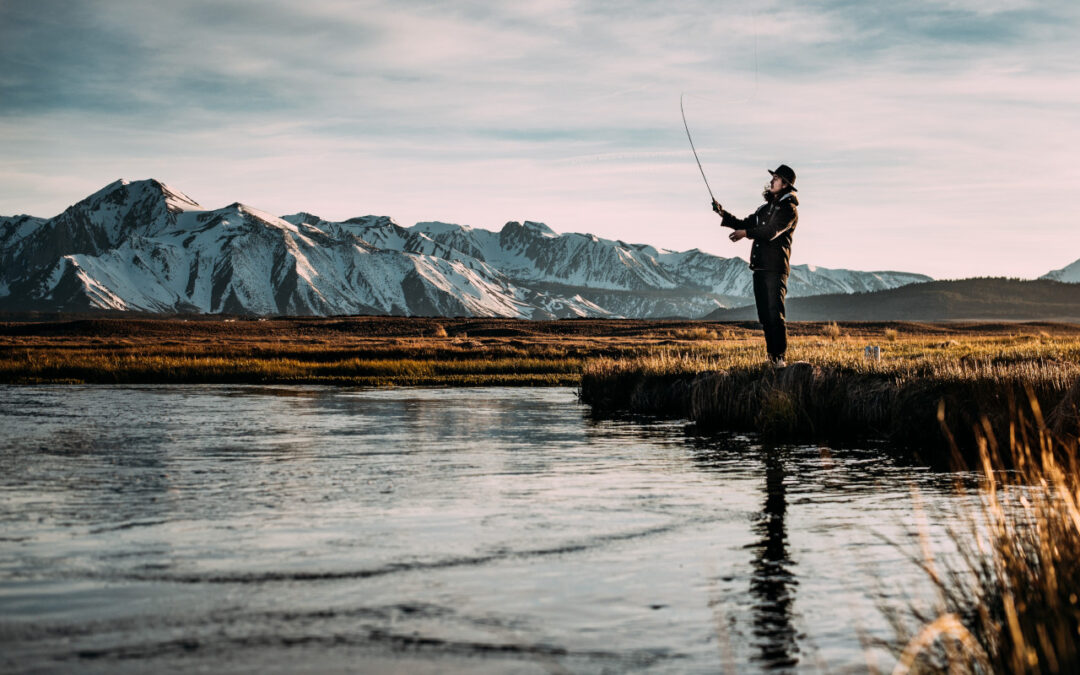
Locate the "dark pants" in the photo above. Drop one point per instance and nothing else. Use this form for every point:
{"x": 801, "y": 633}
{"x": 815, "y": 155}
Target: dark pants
{"x": 770, "y": 288}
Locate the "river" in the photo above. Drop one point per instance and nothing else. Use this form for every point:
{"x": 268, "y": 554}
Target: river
{"x": 284, "y": 529}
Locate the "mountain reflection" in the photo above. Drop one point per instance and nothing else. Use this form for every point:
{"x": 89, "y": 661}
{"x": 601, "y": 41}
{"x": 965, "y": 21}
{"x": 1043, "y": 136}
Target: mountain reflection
{"x": 772, "y": 583}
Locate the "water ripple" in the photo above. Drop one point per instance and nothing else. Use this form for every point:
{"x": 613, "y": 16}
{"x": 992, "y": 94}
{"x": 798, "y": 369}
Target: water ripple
{"x": 166, "y": 528}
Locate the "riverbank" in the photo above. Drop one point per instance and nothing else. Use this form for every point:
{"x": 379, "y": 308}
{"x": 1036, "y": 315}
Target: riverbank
{"x": 709, "y": 372}
{"x": 831, "y": 392}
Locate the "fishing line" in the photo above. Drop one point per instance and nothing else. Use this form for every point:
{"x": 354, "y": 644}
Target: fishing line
{"x": 696, "y": 158}
{"x": 753, "y": 95}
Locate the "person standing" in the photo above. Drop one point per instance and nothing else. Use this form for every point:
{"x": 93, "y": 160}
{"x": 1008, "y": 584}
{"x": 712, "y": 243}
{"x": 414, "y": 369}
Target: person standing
{"x": 770, "y": 228}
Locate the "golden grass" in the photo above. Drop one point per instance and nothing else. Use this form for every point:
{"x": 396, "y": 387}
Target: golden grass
{"x": 830, "y": 391}
{"x": 301, "y": 358}
{"x": 387, "y": 350}
{"x": 433, "y": 366}
{"x": 974, "y": 357}
{"x": 831, "y": 331}
{"x": 698, "y": 333}
{"x": 1008, "y": 600}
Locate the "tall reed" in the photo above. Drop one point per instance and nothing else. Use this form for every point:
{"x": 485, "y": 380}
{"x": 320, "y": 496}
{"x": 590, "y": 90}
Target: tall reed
{"x": 1008, "y": 600}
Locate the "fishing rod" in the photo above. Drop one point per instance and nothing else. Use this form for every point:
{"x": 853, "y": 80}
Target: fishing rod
{"x": 696, "y": 158}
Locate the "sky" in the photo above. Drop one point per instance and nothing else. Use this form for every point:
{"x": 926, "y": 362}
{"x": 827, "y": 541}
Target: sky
{"x": 932, "y": 137}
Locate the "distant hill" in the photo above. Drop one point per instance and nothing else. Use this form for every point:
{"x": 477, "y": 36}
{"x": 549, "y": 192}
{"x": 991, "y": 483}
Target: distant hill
{"x": 995, "y": 299}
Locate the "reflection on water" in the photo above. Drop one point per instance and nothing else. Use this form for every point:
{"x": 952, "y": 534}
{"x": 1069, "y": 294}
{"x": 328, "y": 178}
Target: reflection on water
{"x": 284, "y": 528}
{"x": 772, "y": 582}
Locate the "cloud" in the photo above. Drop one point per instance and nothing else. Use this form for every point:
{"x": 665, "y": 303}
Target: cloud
{"x": 917, "y": 116}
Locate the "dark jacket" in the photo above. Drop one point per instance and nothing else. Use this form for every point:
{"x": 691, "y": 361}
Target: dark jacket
{"x": 771, "y": 227}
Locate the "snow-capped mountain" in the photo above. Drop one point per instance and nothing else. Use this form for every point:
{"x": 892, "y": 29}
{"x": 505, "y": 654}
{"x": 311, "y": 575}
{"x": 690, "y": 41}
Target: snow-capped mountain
{"x": 1069, "y": 274}
{"x": 145, "y": 246}
{"x": 532, "y": 252}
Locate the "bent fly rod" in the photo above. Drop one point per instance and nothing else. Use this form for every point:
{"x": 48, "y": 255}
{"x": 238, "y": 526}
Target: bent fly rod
{"x": 683, "y": 110}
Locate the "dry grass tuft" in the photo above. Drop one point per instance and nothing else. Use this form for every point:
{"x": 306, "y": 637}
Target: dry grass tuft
{"x": 831, "y": 331}
{"x": 1012, "y": 587}
{"x": 698, "y": 333}
{"x": 891, "y": 334}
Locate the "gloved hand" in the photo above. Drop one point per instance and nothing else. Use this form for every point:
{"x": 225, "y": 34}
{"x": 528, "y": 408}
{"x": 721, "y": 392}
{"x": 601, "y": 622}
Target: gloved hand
{"x": 716, "y": 207}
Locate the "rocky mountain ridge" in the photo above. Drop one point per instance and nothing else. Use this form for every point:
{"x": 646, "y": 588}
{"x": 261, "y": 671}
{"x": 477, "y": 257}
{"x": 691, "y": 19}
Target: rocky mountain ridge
{"x": 144, "y": 246}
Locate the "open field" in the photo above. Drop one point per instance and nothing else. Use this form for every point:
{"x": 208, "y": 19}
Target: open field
{"x": 346, "y": 351}
{"x": 423, "y": 351}
{"x": 410, "y": 351}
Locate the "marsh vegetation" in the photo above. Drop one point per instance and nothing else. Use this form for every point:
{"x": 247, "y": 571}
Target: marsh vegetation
{"x": 1007, "y": 599}
{"x": 404, "y": 351}
{"x": 832, "y": 391}
{"x": 712, "y": 373}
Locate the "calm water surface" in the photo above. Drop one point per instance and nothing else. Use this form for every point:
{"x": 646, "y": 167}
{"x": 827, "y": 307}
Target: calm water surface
{"x": 254, "y": 529}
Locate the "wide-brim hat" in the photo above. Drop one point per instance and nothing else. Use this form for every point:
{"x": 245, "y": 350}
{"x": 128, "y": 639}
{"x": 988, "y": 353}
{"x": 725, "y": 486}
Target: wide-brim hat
{"x": 787, "y": 173}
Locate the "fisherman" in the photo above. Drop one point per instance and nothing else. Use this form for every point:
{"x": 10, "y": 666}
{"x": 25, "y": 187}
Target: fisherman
{"x": 771, "y": 227}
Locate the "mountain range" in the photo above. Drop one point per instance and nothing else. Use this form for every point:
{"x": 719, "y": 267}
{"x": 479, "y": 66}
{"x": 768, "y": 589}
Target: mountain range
{"x": 144, "y": 246}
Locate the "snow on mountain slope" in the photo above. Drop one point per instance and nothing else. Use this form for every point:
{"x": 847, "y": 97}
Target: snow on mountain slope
{"x": 94, "y": 225}
{"x": 1069, "y": 274}
{"x": 463, "y": 238}
{"x": 695, "y": 268}
{"x": 241, "y": 260}
{"x": 14, "y": 229}
{"x": 811, "y": 280}
{"x": 145, "y": 246}
{"x": 123, "y": 208}
{"x": 377, "y": 231}
{"x": 534, "y": 252}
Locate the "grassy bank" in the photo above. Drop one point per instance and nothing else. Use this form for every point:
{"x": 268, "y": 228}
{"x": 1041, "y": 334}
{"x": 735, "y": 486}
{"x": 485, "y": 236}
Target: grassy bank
{"x": 831, "y": 392}
{"x": 709, "y": 372}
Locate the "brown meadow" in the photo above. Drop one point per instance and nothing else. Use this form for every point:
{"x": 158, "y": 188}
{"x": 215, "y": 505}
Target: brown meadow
{"x": 712, "y": 373}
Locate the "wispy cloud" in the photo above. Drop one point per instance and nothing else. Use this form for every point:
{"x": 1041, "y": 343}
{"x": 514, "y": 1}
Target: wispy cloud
{"x": 928, "y": 136}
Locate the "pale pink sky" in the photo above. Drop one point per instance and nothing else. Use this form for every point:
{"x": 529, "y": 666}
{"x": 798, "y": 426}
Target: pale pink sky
{"x": 933, "y": 137}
